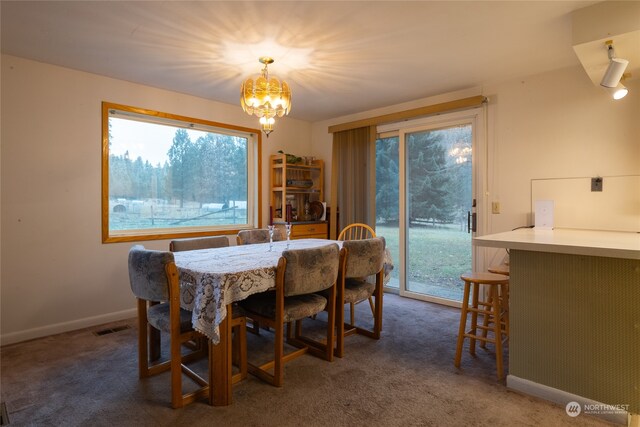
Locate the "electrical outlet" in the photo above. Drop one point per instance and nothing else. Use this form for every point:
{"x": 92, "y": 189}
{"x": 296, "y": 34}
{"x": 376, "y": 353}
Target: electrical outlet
{"x": 596, "y": 184}
{"x": 495, "y": 207}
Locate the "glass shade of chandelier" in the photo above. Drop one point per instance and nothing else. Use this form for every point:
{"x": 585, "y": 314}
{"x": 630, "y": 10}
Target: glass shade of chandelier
{"x": 265, "y": 97}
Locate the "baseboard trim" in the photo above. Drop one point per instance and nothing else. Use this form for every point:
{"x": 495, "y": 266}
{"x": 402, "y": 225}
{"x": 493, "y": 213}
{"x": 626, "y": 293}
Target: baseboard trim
{"x": 562, "y": 398}
{"x": 58, "y": 328}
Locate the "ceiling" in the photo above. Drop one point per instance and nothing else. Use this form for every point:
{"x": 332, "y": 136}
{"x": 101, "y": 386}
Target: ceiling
{"x": 338, "y": 57}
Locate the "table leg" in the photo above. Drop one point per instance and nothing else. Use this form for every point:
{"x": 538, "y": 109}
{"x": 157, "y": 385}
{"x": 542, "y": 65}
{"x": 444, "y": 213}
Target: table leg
{"x": 220, "y": 364}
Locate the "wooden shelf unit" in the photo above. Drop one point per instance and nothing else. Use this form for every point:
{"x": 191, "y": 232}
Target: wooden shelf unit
{"x": 297, "y": 183}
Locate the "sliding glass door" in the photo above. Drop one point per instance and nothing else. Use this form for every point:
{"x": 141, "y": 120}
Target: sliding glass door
{"x": 438, "y": 204}
{"x": 425, "y": 205}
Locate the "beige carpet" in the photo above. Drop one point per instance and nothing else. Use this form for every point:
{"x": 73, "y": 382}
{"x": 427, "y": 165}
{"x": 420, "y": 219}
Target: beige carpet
{"x": 405, "y": 379}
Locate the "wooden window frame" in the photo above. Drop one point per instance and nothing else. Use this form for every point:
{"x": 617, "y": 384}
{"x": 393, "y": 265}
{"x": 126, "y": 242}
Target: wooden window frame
{"x": 254, "y": 171}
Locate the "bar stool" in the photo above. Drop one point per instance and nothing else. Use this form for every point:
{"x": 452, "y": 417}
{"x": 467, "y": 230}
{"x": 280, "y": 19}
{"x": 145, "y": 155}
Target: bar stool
{"x": 496, "y": 309}
{"x": 504, "y": 270}
{"x": 499, "y": 269}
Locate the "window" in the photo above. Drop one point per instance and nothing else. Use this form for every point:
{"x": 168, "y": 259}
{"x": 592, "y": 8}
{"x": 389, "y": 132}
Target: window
{"x": 167, "y": 176}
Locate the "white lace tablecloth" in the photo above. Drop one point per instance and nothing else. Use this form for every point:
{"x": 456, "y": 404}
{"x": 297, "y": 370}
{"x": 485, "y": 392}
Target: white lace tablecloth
{"x": 212, "y": 278}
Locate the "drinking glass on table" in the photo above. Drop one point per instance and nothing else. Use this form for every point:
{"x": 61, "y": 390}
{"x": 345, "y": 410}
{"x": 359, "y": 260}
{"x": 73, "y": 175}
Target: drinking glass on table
{"x": 271, "y": 229}
{"x": 288, "y": 227}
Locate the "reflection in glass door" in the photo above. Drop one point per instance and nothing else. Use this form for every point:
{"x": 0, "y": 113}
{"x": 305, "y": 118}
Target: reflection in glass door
{"x": 388, "y": 201}
{"x": 439, "y": 213}
{"x": 424, "y": 197}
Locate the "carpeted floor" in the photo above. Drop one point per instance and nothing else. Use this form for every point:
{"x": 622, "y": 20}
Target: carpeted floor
{"x": 405, "y": 379}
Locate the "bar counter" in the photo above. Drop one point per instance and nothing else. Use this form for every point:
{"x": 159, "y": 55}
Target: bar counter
{"x": 575, "y": 317}
{"x": 616, "y": 244}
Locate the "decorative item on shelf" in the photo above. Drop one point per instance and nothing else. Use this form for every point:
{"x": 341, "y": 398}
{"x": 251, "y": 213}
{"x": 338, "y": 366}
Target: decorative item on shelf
{"x": 316, "y": 210}
{"x": 266, "y": 97}
{"x": 304, "y": 183}
{"x": 289, "y": 211}
{"x": 291, "y": 158}
{"x": 291, "y": 200}
{"x": 307, "y": 216}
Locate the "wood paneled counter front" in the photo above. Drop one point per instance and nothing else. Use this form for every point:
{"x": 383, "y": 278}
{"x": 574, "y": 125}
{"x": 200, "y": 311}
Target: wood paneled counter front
{"x": 575, "y": 318}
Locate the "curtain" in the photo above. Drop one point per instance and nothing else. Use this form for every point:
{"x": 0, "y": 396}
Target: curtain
{"x": 353, "y": 172}
{"x": 353, "y": 177}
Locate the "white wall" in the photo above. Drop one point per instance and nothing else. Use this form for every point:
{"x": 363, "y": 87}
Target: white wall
{"x": 56, "y": 273}
{"x": 553, "y": 125}
{"x": 557, "y": 125}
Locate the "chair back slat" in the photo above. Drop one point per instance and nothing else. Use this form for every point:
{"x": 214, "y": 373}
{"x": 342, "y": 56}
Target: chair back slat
{"x": 310, "y": 270}
{"x": 147, "y": 273}
{"x": 364, "y": 257}
{"x": 260, "y": 235}
{"x": 198, "y": 243}
{"x": 356, "y": 231}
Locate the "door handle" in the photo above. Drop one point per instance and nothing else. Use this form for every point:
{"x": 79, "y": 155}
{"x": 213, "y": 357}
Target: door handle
{"x": 471, "y": 218}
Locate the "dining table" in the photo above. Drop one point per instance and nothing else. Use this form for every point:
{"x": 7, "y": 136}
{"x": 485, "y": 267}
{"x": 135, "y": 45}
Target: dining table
{"x": 211, "y": 280}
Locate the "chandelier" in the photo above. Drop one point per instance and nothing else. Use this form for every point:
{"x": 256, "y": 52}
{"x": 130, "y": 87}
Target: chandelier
{"x": 265, "y": 97}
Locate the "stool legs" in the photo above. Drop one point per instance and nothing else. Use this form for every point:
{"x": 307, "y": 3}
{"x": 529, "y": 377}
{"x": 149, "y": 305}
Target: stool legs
{"x": 495, "y": 312}
{"x": 463, "y": 324}
{"x": 504, "y": 314}
{"x": 474, "y": 320}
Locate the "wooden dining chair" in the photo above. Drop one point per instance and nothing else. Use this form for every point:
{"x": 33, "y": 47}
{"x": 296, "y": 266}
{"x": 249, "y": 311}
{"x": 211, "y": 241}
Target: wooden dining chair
{"x": 196, "y": 243}
{"x": 153, "y": 277}
{"x": 300, "y": 274}
{"x": 258, "y": 235}
{"x": 357, "y": 231}
{"x": 362, "y": 259}
{"x": 238, "y": 321}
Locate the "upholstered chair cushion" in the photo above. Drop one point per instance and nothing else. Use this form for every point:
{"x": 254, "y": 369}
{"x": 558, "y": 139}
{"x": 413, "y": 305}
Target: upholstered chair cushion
{"x": 356, "y": 290}
{"x": 249, "y": 237}
{"x": 158, "y": 316}
{"x": 199, "y": 243}
{"x": 310, "y": 270}
{"x": 388, "y": 266}
{"x": 295, "y": 307}
{"x": 147, "y": 274}
{"x": 364, "y": 257}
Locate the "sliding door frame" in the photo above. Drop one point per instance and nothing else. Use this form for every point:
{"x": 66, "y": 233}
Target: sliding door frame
{"x": 476, "y": 117}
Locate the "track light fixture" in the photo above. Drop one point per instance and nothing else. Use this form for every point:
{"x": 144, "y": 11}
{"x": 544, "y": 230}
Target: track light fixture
{"x": 613, "y": 74}
{"x": 618, "y": 92}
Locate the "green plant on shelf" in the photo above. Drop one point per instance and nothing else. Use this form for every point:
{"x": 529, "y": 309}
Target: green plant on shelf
{"x": 291, "y": 158}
